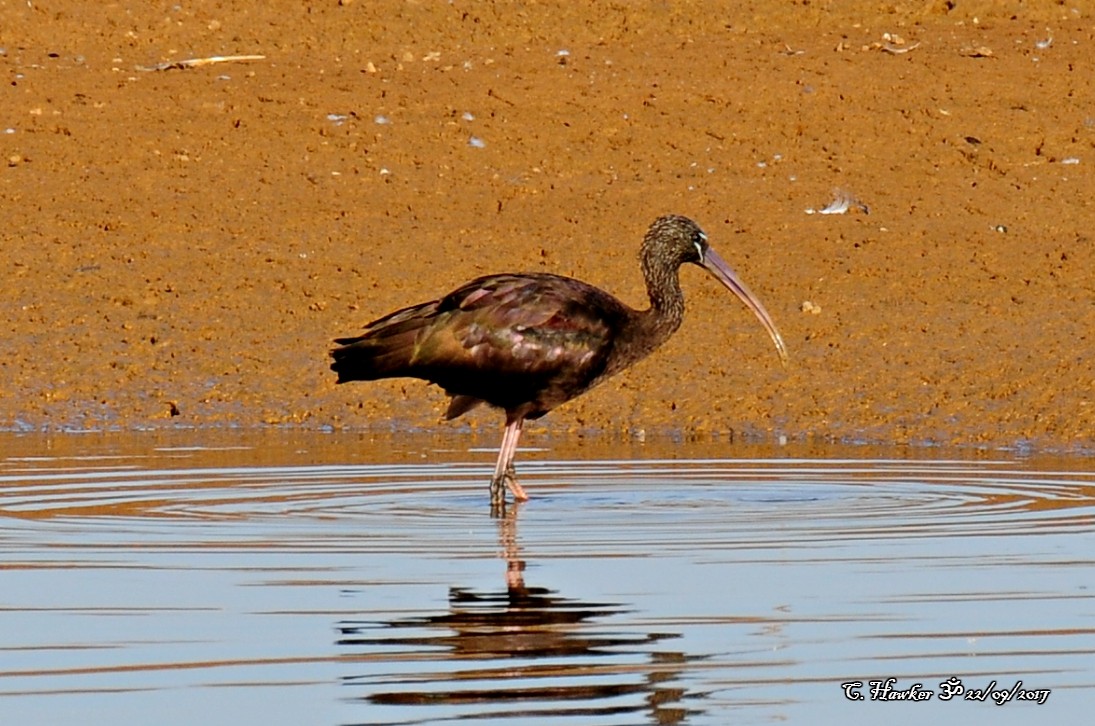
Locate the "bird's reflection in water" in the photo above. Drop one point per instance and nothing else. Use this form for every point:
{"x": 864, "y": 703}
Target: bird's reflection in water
{"x": 519, "y": 653}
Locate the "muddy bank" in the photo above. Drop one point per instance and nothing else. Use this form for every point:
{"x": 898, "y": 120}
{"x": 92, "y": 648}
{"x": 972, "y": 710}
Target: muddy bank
{"x": 181, "y": 245}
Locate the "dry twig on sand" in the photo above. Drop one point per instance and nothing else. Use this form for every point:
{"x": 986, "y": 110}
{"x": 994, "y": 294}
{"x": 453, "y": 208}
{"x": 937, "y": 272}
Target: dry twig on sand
{"x": 197, "y": 62}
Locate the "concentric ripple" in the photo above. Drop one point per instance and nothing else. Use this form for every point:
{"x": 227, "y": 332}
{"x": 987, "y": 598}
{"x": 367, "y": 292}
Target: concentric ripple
{"x": 811, "y": 503}
{"x": 682, "y": 504}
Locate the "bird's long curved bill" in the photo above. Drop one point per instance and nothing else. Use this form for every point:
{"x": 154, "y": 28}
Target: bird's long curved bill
{"x": 724, "y": 274}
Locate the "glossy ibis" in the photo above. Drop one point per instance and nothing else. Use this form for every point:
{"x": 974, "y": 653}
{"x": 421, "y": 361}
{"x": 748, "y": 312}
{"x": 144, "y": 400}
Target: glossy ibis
{"x": 527, "y": 343}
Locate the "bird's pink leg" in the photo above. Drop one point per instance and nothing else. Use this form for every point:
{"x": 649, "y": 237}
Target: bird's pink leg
{"x": 504, "y": 472}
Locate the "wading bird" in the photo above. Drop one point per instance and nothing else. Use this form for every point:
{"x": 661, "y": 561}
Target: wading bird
{"x": 526, "y": 343}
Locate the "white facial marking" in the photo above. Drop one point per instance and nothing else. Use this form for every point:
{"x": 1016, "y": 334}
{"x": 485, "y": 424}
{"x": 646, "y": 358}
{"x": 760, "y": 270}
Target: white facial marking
{"x": 701, "y": 244}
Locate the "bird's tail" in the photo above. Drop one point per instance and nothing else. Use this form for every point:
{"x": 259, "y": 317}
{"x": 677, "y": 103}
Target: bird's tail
{"x": 385, "y": 350}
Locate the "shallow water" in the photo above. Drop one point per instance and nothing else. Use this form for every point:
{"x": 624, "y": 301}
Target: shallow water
{"x": 339, "y": 579}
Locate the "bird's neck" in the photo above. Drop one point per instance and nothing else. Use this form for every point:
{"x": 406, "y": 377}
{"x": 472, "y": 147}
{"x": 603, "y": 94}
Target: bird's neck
{"x": 663, "y": 286}
{"x": 645, "y": 330}
{"x": 656, "y": 324}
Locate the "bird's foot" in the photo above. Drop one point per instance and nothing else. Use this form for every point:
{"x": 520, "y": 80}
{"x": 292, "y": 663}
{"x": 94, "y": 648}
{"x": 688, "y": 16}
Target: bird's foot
{"x": 511, "y": 482}
{"x": 498, "y": 497}
{"x": 498, "y": 486}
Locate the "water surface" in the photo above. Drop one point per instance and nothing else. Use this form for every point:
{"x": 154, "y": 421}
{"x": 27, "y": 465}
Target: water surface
{"x": 339, "y": 579}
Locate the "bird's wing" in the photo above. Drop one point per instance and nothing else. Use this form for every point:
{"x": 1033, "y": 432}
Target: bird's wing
{"x": 522, "y": 325}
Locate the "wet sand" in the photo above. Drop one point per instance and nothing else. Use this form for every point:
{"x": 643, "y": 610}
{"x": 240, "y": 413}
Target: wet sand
{"x": 181, "y": 245}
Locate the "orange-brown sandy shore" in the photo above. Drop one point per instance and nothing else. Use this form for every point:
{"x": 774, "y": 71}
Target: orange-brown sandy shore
{"x": 181, "y": 243}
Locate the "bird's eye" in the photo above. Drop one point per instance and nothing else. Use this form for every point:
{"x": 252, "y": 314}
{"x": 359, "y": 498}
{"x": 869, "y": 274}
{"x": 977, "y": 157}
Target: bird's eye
{"x": 699, "y": 240}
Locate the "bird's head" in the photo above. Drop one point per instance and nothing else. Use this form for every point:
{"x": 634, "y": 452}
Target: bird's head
{"x": 674, "y": 240}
